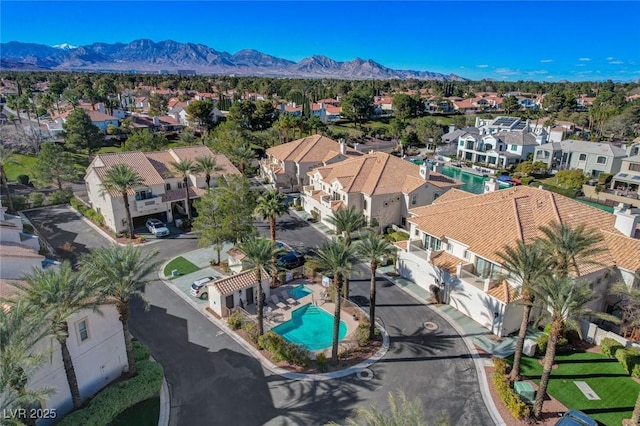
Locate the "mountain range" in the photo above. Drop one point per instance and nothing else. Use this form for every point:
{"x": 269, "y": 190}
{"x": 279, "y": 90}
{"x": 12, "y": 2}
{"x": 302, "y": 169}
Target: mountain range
{"x": 152, "y": 57}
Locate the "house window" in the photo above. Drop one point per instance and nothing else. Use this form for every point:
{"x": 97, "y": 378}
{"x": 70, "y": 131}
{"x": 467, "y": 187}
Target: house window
{"x": 467, "y": 255}
{"x": 634, "y": 167}
{"x": 168, "y": 187}
{"x": 83, "y": 330}
{"x": 601, "y": 160}
{"x": 144, "y": 194}
{"x": 461, "y": 143}
{"x": 514, "y": 147}
{"x": 179, "y": 185}
{"x": 432, "y": 243}
{"x": 414, "y": 200}
{"x": 364, "y": 204}
{"x": 583, "y": 157}
{"x": 448, "y": 246}
{"x": 416, "y": 232}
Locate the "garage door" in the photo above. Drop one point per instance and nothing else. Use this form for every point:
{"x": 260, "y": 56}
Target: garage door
{"x": 140, "y": 221}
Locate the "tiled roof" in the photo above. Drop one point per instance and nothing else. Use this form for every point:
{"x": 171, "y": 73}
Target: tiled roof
{"x": 178, "y": 194}
{"x": 236, "y": 254}
{"x": 380, "y": 173}
{"x": 489, "y": 222}
{"x": 402, "y": 245}
{"x": 312, "y": 149}
{"x": 236, "y": 282}
{"x": 161, "y": 162}
{"x": 446, "y": 261}
{"x": 138, "y": 161}
{"x": 500, "y": 292}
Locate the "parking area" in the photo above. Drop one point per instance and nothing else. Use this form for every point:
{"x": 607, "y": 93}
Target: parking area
{"x": 183, "y": 283}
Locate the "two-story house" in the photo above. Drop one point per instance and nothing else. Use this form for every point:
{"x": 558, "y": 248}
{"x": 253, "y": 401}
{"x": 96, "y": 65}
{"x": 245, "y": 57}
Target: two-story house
{"x": 591, "y": 157}
{"x": 628, "y": 178}
{"x": 383, "y": 187}
{"x": 286, "y": 165}
{"x": 454, "y": 245}
{"x": 161, "y": 195}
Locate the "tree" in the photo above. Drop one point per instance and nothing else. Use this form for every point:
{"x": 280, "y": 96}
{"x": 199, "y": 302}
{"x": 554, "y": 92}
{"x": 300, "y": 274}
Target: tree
{"x": 337, "y": 259}
{"x": 346, "y": 222}
{"x": 207, "y": 165}
{"x": 428, "y": 130}
{"x": 510, "y": 104}
{"x": 146, "y": 141}
{"x": 208, "y": 224}
{"x": 528, "y": 264}
{"x": 258, "y": 253}
{"x": 403, "y": 106}
{"x": 242, "y": 156}
{"x": 157, "y": 104}
{"x": 6, "y": 158}
{"x": 80, "y": 133}
{"x": 200, "y": 115}
{"x": 57, "y": 295}
{"x": 54, "y": 165}
{"x": 628, "y": 306}
{"x": 525, "y": 167}
{"x": 271, "y": 205}
{"x": 237, "y": 204}
{"x": 373, "y": 248}
{"x": 121, "y": 273}
{"x": 570, "y": 247}
{"x": 358, "y": 107}
{"x": 242, "y": 112}
{"x": 120, "y": 179}
{"x": 264, "y": 116}
{"x": 565, "y": 300}
{"x": 185, "y": 168}
{"x": 572, "y": 178}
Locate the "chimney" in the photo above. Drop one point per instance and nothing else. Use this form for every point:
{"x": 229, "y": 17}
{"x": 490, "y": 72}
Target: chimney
{"x": 490, "y": 186}
{"x": 343, "y": 147}
{"x": 424, "y": 170}
{"x": 452, "y": 128}
{"x": 626, "y": 219}
{"x": 356, "y": 146}
{"x": 156, "y": 121}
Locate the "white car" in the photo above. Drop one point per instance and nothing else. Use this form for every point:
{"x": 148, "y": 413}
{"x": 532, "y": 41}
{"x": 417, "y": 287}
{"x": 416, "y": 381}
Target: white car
{"x": 198, "y": 288}
{"x": 157, "y": 228}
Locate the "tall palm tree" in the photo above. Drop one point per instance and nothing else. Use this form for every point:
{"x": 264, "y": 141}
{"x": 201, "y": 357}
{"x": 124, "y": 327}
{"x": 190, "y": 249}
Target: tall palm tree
{"x": 373, "y": 248}
{"x": 347, "y": 221}
{"x": 259, "y": 252}
{"x": 242, "y": 155}
{"x": 58, "y": 295}
{"x": 565, "y": 299}
{"x": 271, "y": 205}
{"x": 336, "y": 258}
{"x": 122, "y": 179}
{"x": 528, "y": 265}
{"x": 185, "y": 168}
{"x": 207, "y": 165}
{"x": 569, "y": 246}
{"x": 6, "y": 158}
{"x": 121, "y": 272}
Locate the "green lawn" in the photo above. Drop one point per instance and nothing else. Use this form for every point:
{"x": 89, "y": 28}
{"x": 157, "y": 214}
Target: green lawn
{"x": 607, "y": 378}
{"x": 145, "y": 413}
{"x": 182, "y": 265}
{"x": 23, "y": 165}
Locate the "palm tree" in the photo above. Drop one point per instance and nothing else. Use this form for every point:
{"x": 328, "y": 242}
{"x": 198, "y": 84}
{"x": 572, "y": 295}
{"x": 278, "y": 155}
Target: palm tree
{"x": 122, "y": 179}
{"x": 242, "y": 156}
{"x": 346, "y": 222}
{"x": 373, "y": 248}
{"x": 528, "y": 265}
{"x": 271, "y": 205}
{"x": 207, "y": 165}
{"x": 569, "y": 246}
{"x": 121, "y": 272}
{"x": 6, "y": 158}
{"x": 337, "y": 259}
{"x": 259, "y": 253}
{"x": 565, "y": 299}
{"x": 58, "y": 295}
{"x": 185, "y": 168}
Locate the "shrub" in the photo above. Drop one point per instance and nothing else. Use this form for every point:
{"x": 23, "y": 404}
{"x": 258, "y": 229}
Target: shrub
{"x": 140, "y": 351}
{"x": 543, "y": 340}
{"x": 362, "y": 333}
{"x": 281, "y": 350}
{"x": 235, "y": 320}
{"x": 526, "y": 180}
{"x": 19, "y": 202}
{"x": 512, "y": 401}
{"x": 60, "y": 197}
{"x": 609, "y": 347}
{"x": 629, "y": 358}
{"x": 116, "y": 398}
{"x": 321, "y": 360}
{"x": 27, "y": 228}
{"x": 23, "y": 179}
{"x": 252, "y": 331}
{"x": 636, "y": 371}
{"x": 36, "y": 199}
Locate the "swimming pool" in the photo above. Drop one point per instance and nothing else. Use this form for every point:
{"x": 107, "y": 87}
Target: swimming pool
{"x": 300, "y": 291}
{"x": 311, "y": 327}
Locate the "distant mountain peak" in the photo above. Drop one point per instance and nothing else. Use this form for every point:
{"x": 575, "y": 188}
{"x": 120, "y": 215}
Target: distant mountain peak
{"x": 64, "y": 46}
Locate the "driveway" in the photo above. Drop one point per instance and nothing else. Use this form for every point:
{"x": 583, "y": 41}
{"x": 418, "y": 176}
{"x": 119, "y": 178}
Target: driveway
{"x": 183, "y": 282}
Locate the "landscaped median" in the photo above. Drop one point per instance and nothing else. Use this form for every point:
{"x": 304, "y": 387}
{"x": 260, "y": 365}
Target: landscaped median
{"x": 105, "y": 406}
{"x": 181, "y": 265}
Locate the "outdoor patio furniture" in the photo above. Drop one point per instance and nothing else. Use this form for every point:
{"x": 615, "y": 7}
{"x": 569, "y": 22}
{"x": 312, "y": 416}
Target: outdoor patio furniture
{"x": 276, "y": 301}
{"x": 290, "y": 300}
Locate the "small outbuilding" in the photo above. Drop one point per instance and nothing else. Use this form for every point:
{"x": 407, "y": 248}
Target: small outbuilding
{"x": 226, "y": 294}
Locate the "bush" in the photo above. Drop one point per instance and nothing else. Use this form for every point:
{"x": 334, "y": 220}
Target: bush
{"x": 235, "y": 320}
{"x": 362, "y": 333}
{"x": 115, "y": 398}
{"x": 36, "y": 199}
{"x": 629, "y": 358}
{"x": 543, "y": 340}
{"x": 60, "y": 197}
{"x": 604, "y": 178}
{"x": 27, "y": 228}
{"x": 526, "y": 180}
{"x": 636, "y": 371}
{"x": 281, "y": 350}
{"x": 140, "y": 351}
{"x": 609, "y": 347}
{"x": 512, "y": 401}
{"x": 321, "y": 360}
{"x": 23, "y": 179}
{"x": 252, "y": 331}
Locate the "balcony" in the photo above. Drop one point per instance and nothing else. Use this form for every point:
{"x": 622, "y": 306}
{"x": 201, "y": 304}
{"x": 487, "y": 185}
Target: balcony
{"x": 308, "y": 190}
{"x": 149, "y": 204}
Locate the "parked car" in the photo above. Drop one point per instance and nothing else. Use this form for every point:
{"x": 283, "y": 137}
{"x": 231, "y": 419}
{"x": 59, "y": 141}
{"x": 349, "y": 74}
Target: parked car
{"x": 291, "y": 260}
{"x": 157, "y": 228}
{"x": 199, "y": 289}
{"x": 576, "y": 418}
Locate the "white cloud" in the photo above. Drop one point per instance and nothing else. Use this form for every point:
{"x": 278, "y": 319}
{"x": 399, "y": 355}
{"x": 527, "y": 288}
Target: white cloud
{"x": 580, "y": 65}
{"x": 545, "y": 61}
{"x": 610, "y": 58}
{"x": 584, "y": 59}
{"x": 507, "y": 71}
{"x": 538, "y": 72}
{"x": 616, "y": 62}
{"x": 483, "y": 66}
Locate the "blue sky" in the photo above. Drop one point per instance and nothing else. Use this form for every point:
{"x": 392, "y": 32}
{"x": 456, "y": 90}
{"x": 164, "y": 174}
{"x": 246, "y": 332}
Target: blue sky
{"x": 542, "y": 40}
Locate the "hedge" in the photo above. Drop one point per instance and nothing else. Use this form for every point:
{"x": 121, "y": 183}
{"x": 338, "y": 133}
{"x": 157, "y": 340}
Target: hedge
{"x": 543, "y": 340}
{"x": 511, "y": 399}
{"x": 140, "y": 351}
{"x": 281, "y": 350}
{"x": 610, "y": 346}
{"x": 629, "y": 358}
{"x": 87, "y": 212}
{"x": 636, "y": 371}
{"x": 114, "y": 399}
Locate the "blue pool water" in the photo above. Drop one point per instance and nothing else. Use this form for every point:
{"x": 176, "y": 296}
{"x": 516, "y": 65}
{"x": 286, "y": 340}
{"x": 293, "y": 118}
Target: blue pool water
{"x": 471, "y": 183}
{"x": 310, "y": 327}
{"x": 300, "y": 291}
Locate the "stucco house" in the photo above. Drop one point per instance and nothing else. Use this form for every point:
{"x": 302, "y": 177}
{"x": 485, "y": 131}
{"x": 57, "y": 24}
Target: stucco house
{"x": 593, "y": 158}
{"x": 628, "y": 178}
{"x": 286, "y": 165}
{"x": 454, "y": 245}
{"x": 162, "y": 194}
{"x": 382, "y": 186}
{"x": 239, "y": 290}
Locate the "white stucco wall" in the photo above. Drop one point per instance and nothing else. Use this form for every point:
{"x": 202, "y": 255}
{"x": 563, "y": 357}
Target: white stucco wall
{"x": 217, "y": 300}
{"x": 477, "y": 305}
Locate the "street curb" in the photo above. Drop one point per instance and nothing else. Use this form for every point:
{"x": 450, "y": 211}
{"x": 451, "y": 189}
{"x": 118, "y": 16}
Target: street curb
{"x": 165, "y": 404}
